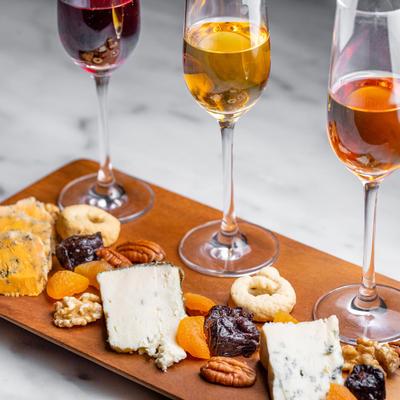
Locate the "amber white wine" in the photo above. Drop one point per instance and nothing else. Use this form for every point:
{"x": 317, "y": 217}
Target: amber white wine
{"x": 364, "y": 124}
{"x": 226, "y": 65}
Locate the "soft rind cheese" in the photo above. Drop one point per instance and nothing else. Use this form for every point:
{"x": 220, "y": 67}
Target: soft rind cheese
{"x": 302, "y": 359}
{"x": 23, "y": 264}
{"x": 143, "y": 306}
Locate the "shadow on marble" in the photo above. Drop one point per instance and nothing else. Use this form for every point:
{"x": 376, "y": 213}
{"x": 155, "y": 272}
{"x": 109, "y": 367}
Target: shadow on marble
{"x": 37, "y": 369}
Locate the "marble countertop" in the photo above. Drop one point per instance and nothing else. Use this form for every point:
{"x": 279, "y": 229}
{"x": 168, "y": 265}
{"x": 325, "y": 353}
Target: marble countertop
{"x": 287, "y": 177}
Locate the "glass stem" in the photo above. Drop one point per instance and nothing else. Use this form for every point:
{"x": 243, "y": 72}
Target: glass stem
{"x": 229, "y": 226}
{"x": 367, "y": 298}
{"x": 105, "y": 176}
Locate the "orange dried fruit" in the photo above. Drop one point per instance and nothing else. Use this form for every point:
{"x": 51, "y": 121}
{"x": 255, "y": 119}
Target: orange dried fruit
{"x": 282, "y": 316}
{"x": 91, "y": 269}
{"x": 196, "y": 304}
{"x": 66, "y": 283}
{"x": 190, "y": 336}
{"x": 339, "y": 392}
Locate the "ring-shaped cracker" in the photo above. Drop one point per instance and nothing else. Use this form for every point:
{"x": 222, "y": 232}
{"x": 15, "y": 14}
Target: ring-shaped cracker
{"x": 83, "y": 219}
{"x": 264, "y": 294}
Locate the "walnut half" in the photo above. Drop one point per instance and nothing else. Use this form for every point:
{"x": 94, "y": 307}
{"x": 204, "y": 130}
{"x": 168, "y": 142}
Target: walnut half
{"x": 72, "y": 311}
{"x": 368, "y": 352}
{"x": 228, "y": 372}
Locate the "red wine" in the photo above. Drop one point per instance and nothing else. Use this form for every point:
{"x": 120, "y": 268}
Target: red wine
{"x": 99, "y": 34}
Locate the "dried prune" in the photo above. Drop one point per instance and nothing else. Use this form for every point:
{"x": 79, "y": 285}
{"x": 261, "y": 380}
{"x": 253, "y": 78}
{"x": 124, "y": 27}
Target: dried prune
{"x": 78, "y": 249}
{"x": 231, "y": 331}
{"x": 367, "y": 383}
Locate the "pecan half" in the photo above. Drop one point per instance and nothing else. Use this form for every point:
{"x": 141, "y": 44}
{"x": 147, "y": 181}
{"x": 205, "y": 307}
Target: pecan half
{"x": 142, "y": 251}
{"x": 113, "y": 257}
{"x": 228, "y": 372}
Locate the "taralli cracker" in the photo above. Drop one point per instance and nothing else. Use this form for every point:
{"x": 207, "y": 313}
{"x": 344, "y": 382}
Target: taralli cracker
{"x": 264, "y": 294}
{"x": 83, "y": 219}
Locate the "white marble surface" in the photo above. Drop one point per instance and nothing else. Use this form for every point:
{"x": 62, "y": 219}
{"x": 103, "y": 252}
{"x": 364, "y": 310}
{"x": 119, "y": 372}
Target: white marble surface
{"x": 286, "y": 175}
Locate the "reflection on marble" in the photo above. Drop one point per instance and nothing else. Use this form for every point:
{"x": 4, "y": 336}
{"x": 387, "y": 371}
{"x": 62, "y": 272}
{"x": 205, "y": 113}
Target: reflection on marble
{"x": 287, "y": 178}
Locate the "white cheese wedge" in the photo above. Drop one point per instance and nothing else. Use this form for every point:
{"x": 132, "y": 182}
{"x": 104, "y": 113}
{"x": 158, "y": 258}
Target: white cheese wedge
{"x": 143, "y": 306}
{"x": 302, "y": 359}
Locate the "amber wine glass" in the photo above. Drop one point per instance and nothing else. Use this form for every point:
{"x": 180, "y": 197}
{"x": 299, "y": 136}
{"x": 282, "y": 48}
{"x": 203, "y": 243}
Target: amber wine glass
{"x": 99, "y": 35}
{"x": 364, "y": 132}
{"x": 226, "y": 59}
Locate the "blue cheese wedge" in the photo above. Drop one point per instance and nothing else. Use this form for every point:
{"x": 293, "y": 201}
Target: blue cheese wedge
{"x": 23, "y": 264}
{"x": 143, "y": 306}
{"x": 302, "y": 359}
{"x": 19, "y": 221}
{"x": 36, "y": 211}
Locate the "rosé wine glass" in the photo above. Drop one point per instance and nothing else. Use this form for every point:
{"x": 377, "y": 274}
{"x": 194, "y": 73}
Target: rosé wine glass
{"x": 364, "y": 133}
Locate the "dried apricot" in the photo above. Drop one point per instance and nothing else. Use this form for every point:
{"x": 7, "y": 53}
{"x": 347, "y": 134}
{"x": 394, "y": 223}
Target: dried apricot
{"x": 191, "y": 337}
{"x": 196, "y": 304}
{"x": 282, "y": 316}
{"x": 91, "y": 269}
{"x": 339, "y": 392}
{"x": 66, "y": 283}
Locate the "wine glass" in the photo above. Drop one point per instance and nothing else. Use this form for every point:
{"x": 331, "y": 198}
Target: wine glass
{"x": 364, "y": 132}
{"x": 226, "y": 58}
{"x": 99, "y": 35}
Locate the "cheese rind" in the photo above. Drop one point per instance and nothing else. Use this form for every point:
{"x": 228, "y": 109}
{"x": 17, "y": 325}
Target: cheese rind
{"x": 23, "y": 264}
{"x": 302, "y": 359}
{"x": 143, "y": 306}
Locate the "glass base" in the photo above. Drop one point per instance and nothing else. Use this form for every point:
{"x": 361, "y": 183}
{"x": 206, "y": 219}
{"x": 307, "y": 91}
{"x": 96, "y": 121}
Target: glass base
{"x": 381, "y": 324}
{"x": 126, "y": 200}
{"x": 202, "y": 249}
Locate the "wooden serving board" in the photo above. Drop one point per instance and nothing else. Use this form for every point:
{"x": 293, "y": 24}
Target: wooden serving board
{"x": 311, "y": 272}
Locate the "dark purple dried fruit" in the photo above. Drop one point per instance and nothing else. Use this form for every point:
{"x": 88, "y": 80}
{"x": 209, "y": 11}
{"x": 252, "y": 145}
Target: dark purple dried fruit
{"x": 78, "y": 249}
{"x": 367, "y": 383}
{"x": 231, "y": 332}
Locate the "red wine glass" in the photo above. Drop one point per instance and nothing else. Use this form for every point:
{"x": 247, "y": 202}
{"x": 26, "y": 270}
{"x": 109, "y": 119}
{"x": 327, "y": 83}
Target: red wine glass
{"x": 99, "y": 35}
